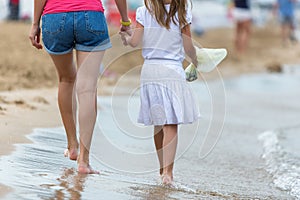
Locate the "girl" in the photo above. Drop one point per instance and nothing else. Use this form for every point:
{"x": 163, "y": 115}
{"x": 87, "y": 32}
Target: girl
{"x": 166, "y": 100}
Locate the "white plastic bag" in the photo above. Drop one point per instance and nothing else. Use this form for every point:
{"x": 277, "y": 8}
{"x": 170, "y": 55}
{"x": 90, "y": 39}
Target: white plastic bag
{"x": 208, "y": 60}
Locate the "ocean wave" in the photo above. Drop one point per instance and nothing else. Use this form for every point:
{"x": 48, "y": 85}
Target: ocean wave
{"x": 281, "y": 164}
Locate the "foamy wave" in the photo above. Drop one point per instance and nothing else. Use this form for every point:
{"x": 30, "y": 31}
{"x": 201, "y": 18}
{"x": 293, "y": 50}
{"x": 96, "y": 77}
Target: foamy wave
{"x": 284, "y": 167}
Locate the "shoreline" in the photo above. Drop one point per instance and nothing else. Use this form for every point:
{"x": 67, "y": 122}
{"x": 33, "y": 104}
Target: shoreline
{"x": 38, "y": 107}
{"x": 39, "y": 104}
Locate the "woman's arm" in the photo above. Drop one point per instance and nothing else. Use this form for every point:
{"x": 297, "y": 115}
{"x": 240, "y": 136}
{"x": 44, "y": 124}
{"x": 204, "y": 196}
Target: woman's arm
{"x": 38, "y": 10}
{"x": 35, "y": 32}
{"x": 188, "y": 44}
{"x": 136, "y": 36}
{"x": 122, "y": 7}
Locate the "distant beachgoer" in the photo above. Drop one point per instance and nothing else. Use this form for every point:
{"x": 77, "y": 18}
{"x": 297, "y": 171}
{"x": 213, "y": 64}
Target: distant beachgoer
{"x": 286, "y": 10}
{"x": 243, "y": 20}
{"x": 79, "y": 25}
{"x": 166, "y": 99}
{"x": 14, "y": 9}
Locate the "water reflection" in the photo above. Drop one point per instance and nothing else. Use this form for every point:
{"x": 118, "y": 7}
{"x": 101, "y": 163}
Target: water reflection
{"x": 71, "y": 183}
{"x": 152, "y": 192}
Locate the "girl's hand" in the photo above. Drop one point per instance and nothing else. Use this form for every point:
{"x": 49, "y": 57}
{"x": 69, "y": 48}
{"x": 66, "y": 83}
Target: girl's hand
{"x": 35, "y": 36}
{"x": 124, "y": 37}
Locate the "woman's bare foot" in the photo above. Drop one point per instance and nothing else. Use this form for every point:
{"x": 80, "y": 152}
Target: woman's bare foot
{"x": 167, "y": 179}
{"x": 86, "y": 169}
{"x": 71, "y": 153}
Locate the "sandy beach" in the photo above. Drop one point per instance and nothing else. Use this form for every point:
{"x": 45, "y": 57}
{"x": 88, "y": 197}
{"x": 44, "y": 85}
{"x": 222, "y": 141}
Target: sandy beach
{"x": 28, "y": 99}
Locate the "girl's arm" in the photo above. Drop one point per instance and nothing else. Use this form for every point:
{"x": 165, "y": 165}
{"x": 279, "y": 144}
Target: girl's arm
{"x": 35, "y": 32}
{"x": 188, "y": 44}
{"x": 135, "y": 38}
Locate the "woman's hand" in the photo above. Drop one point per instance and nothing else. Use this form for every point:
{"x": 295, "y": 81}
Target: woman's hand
{"x": 35, "y": 36}
{"x": 126, "y": 29}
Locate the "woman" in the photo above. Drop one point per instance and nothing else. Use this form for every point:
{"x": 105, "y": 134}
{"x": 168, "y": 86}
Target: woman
{"x": 79, "y": 25}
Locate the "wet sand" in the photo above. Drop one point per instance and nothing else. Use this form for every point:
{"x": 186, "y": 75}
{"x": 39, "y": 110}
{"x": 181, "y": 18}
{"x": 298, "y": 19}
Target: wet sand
{"x": 28, "y": 100}
{"x": 20, "y": 112}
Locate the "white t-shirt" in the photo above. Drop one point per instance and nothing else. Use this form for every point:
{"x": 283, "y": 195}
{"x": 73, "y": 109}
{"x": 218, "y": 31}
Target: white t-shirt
{"x": 159, "y": 42}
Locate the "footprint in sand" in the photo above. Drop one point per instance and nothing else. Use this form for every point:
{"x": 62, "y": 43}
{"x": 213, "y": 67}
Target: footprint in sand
{"x": 23, "y": 104}
{"x": 41, "y": 100}
{"x": 2, "y": 100}
{"x": 2, "y": 110}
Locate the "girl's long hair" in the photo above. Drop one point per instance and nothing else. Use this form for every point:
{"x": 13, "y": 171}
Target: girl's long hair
{"x": 163, "y": 17}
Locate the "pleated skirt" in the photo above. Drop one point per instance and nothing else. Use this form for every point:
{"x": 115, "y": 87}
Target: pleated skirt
{"x": 165, "y": 95}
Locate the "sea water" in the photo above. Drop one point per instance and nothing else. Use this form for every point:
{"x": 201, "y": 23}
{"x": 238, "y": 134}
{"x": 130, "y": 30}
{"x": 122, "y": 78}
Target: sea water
{"x": 245, "y": 146}
{"x": 281, "y": 149}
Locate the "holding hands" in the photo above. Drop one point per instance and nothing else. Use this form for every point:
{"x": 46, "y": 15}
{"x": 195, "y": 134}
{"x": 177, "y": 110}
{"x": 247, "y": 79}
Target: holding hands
{"x": 132, "y": 37}
{"x": 125, "y": 36}
{"x": 125, "y": 31}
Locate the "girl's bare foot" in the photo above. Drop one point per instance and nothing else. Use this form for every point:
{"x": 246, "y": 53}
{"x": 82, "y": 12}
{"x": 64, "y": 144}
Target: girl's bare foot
{"x": 71, "y": 153}
{"x": 86, "y": 169}
{"x": 167, "y": 179}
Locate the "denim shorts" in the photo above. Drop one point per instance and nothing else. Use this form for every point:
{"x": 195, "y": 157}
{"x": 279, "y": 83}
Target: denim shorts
{"x": 83, "y": 31}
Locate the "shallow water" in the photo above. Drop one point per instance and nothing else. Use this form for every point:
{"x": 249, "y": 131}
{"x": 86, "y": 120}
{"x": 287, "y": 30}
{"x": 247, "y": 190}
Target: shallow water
{"x": 281, "y": 153}
{"x": 238, "y": 166}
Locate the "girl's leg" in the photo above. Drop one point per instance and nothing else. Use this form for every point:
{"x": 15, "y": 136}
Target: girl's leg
{"x": 66, "y": 99}
{"x": 158, "y": 141}
{"x": 86, "y": 87}
{"x": 169, "y": 151}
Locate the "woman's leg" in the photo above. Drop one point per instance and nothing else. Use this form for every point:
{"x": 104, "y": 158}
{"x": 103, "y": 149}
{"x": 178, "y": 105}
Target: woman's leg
{"x": 246, "y": 35}
{"x": 243, "y": 30}
{"x": 169, "y": 152}
{"x": 66, "y": 98}
{"x": 238, "y": 33}
{"x": 86, "y": 88}
{"x": 158, "y": 141}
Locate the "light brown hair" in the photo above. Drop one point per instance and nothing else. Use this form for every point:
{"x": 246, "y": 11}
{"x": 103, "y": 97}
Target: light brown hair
{"x": 163, "y": 17}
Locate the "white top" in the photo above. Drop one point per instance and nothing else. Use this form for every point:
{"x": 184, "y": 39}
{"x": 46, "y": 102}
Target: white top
{"x": 159, "y": 42}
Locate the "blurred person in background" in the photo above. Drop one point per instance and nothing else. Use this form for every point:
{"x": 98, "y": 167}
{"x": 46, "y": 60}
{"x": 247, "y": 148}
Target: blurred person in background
{"x": 243, "y": 20}
{"x": 286, "y": 11}
{"x": 79, "y": 25}
{"x": 14, "y": 9}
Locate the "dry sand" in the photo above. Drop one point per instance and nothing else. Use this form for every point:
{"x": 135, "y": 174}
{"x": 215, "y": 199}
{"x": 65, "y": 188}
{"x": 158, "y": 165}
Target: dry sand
{"x": 24, "y": 67}
{"x": 28, "y": 79}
